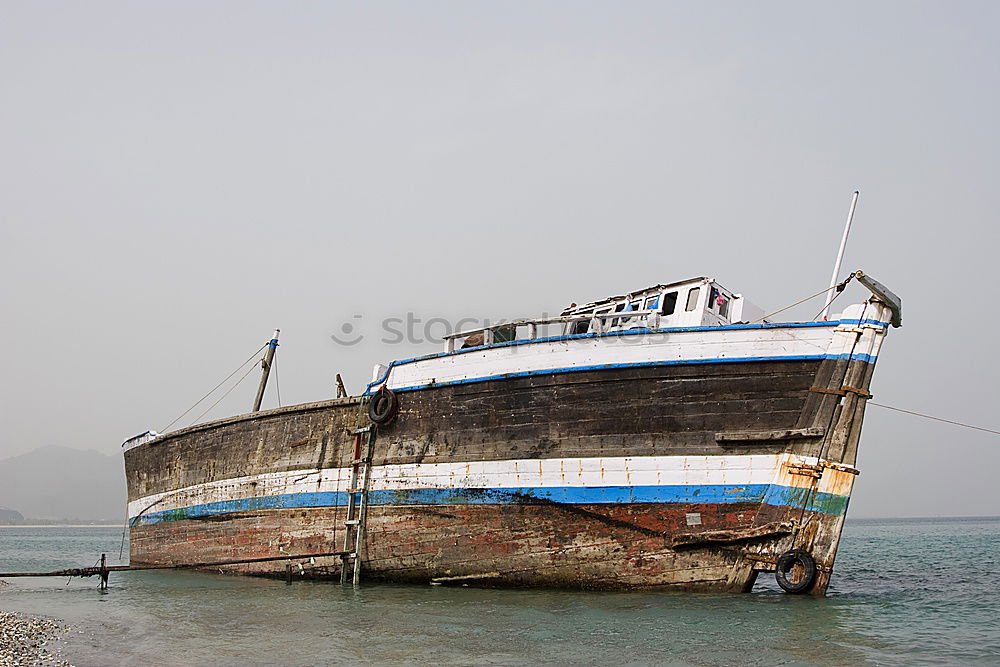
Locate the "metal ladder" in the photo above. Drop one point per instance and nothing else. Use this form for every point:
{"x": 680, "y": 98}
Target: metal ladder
{"x": 357, "y": 505}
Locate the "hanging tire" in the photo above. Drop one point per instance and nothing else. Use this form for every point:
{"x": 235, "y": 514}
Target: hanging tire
{"x": 807, "y": 571}
{"x": 383, "y": 407}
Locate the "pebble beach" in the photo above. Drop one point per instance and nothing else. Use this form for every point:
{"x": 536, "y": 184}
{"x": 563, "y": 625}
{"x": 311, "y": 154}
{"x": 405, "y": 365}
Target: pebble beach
{"x": 29, "y": 640}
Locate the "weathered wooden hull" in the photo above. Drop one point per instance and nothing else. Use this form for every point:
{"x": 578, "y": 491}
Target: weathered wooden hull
{"x": 679, "y": 475}
{"x": 567, "y": 546}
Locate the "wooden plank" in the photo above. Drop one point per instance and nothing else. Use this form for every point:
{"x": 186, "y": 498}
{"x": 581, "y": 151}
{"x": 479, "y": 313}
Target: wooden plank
{"x": 763, "y": 436}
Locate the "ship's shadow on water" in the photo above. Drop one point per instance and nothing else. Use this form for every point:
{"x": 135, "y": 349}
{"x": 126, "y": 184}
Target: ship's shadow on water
{"x": 904, "y": 592}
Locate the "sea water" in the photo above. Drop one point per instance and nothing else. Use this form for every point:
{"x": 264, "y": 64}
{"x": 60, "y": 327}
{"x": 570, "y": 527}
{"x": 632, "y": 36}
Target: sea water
{"x": 903, "y": 592}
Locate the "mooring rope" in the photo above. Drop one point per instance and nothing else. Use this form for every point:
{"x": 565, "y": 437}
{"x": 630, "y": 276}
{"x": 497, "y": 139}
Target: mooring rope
{"x": 121, "y": 549}
{"x": 238, "y": 368}
{"x": 940, "y": 419}
{"x": 839, "y": 287}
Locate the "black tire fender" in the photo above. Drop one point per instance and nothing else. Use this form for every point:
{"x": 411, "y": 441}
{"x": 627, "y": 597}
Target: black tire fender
{"x": 383, "y": 406}
{"x": 789, "y": 560}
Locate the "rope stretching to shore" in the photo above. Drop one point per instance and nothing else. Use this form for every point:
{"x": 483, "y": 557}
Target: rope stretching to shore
{"x": 939, "y": 419}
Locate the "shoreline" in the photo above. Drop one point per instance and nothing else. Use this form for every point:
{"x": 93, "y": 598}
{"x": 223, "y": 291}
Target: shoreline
{"x": 27, "y": 639}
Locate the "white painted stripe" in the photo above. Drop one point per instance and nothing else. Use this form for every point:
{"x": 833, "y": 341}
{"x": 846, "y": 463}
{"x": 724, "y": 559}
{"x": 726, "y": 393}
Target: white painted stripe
{"x": 671, "y": 347}
{"x": 657, "y": 347}
{"x": 506, "y": 474}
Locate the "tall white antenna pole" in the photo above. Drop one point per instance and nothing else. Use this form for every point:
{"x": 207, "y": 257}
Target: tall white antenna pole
{"x": 840, "y": 255}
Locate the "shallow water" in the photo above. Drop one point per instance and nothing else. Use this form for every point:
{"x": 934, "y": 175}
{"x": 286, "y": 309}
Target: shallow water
{"x": 904, "y": 592}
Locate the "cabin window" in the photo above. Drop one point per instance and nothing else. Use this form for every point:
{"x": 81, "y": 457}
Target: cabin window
{"x": 692, "y": 301}
{"x": 713, "y": 299}
{"x": 635, "y": 305}
{"x": 618, "y": 308}
{"x": 505, "y": 334}
{"x": 651, "y": 302}
{"x": 629, "y": 307}
{"x": 669, "y": 303}
{"x": 724, "y": 308}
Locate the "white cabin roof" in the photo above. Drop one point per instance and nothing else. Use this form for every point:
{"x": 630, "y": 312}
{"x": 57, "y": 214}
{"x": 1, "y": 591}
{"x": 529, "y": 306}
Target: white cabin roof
{"x": 646, "y": 291}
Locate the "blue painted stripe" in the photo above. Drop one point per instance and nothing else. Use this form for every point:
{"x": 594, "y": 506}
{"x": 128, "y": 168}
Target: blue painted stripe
{"x": 638, "y": 364}
{"x": 378, "y": 381}
{"x": 616, "y": 334}
{"x": 857, "y": 323}
{"x": 572, "y": 495}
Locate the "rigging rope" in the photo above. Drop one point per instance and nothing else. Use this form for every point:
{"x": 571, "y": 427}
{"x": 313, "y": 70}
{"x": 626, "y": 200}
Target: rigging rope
{"x": 164, "y": 429}
{"x": 228, "y": 391}
{"x": 277, "y": 385}
{"x": 839, "y": 287}
{"x": 840, "y": 290}
{"x": 940, "y": 419}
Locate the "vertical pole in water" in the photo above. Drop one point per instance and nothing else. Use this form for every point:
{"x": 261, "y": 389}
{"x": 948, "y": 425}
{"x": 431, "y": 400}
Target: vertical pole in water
{"x": 104, "y": 572}
{"x": 840, "y": 256}
{"x": 265, "y": 364}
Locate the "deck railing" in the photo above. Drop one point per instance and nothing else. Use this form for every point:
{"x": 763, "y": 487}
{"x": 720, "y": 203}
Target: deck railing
{"x": 597, "y": 323}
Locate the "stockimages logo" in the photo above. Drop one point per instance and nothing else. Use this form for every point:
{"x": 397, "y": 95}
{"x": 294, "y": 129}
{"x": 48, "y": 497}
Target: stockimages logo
{"x": 418, "y": 330}
{"x": 349, "y": 333}
{"x": 412, "y": 329}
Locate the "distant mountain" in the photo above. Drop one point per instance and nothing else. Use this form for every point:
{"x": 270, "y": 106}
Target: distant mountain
{"x": 63, "y": 483}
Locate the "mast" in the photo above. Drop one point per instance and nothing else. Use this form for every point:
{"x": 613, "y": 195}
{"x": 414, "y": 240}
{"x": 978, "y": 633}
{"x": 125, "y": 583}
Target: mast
{"x": 840, "y": 256}
{"x": 265, "y": 365}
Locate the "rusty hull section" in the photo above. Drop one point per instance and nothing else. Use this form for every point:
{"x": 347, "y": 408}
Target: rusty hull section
{"x": 808, "y": 409}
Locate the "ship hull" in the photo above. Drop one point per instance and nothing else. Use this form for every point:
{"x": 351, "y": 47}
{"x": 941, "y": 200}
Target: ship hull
{"x": 634, "y": 476}
{"x": 592, "y": 547}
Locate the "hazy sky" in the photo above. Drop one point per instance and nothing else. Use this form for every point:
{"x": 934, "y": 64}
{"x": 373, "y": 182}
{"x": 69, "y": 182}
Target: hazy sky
{"x": 177, "y": 179}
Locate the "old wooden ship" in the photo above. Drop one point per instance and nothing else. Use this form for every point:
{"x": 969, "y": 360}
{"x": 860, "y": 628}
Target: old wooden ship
{"x": 665, "y": 439}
